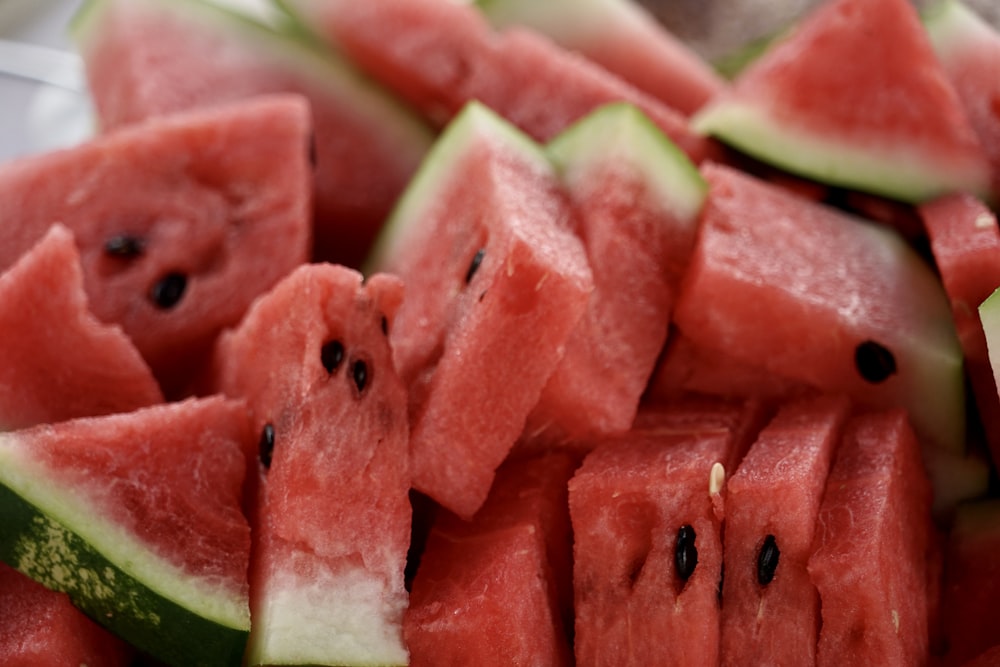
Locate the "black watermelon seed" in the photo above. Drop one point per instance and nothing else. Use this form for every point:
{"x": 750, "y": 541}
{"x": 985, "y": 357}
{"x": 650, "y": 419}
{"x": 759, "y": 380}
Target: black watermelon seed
{"x": 474, "y": 265}
{"x": 265, "y": 447}
{"x": 384, "y": 323}
{"x": 685, "y": 552}
{"x": 359, "y": 372}
{"x": 331, "y": 355}
{"x": 167, "y": 292}
{"x": 874, "y": 362}
{"x": 767, "y": 560}
{"x": 124, "y": 246}
{"x": 312, "y": 150}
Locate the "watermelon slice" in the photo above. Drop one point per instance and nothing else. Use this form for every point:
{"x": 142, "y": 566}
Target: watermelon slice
{"x": 176, "y": 221}
{"x": 137, "y": 517}
{"x": 140, "y": 56}
{"x": 637, "y": 198}
{"x": 969, "y": 50}
{"x": 624, "y": 38}
{"x": 332, "y": 520}
{"x": 440, "y": 55}
{"x": 871, "y": 547}
{"x": 767, "y": 547}
{"x": 856, "y": 97}
{"x": 58, "y": 361}
{"x": 851, "y": 308}
{"x": 483, "y": 240}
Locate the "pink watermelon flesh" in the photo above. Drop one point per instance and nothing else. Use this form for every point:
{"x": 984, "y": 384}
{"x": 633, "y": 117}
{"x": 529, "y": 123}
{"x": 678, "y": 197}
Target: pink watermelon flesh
{"x": 441, "y": 55}
{"x": 965, "y": 241}
{"x": 523, "y": 524}
{"x": 483, "y": 241}
{"x": 176, "y": 220}
{"x": 854, "y": 96}
{"x": 313, "y": 361}
{"x": 60, "y": 362}
{"x": 871, "y": 547}
{"x": 971, "y": 582}
{"x": 838, "y": 293}
{"x": 40, "y": 627}
{"x": 140, "y": 57}
{"x": 636, "y": 502}
{"x": 969, "y": 50}
{"x": 767, "y": 546}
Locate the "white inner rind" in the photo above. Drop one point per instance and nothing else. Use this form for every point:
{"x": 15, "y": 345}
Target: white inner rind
{"x": 79, "y": 508}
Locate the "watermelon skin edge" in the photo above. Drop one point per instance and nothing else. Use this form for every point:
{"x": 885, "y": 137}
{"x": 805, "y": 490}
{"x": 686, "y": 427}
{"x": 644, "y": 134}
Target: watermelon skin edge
{"x": 47, "y": 551}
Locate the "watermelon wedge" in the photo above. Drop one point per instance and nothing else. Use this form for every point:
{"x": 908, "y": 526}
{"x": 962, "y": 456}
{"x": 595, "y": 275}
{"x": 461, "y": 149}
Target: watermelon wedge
{"x": 332, "y": 517}
{"x": 140, "y": 56}
{"x": 483, "y": 239}
{"x": 854, "y": 96}
{"x": 137, "y": 517}
{"x": 58, "y": 361}
{"x": 176, "y": 221}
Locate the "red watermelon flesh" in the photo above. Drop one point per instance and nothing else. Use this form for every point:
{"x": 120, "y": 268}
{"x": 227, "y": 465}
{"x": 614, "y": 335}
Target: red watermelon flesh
{"x": 770, "y": 607}
{"x": 440, "y": 55}
{"x": 140, "y": 57}
{"x": 854, "y": 96}
{"x": 838, "y": 293}
{"x": 332, "y": 523}
{"x": 871, "y": 547}
{"x": 176, "y": 220}
{"x": 40, "y": 627}
{"x": 971, "y": 581}
{"x": 965, "y": 241}
{"x": 58, "y": 360}
{"x": 969, "y": 50}
{"x": 483, "y": 240}
{"x": 639, "y": 504}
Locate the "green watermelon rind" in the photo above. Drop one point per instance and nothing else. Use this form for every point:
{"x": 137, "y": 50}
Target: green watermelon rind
{"x": 60, "y": 540}
{"x": 286, "y": 43}
{"x": 951, "y": 26}
{"x": 435, "y": 175}
{"x": 621, "y": 133}
{"x": 590, "y": 17}
{"x": 897, "y": 172}
{"x": 989, "y": 316}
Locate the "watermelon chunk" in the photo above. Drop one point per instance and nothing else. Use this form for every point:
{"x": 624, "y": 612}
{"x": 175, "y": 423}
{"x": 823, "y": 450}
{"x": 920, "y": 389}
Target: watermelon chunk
{"x": 637, "y": 199}
{"x": 137, "y": 517}
{"x": 854, "y": 96}
{"x": 871, "y": 547}
{"x": 441, "y": 55}
{"x": 483, "y": 240}
{"x": 140, "y": 58}
{"x": 624, "y": 38}
{"x": 175, "y": 220}
{"x": 58, "y": 361}
{"x": 766, "y": 546}
{"x": 332, "y": 518}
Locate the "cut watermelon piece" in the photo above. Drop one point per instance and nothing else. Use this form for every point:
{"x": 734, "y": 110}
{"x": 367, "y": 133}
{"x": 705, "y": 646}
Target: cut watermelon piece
{"x": 624, "y": 38}
{"x": 850, "y": 307}
{"x": 872, "y": 546}
{"x": 333, "y": 516}
{"x": 855, "y": 97}
{"x": 440, "y": 55}
{"x": 137, "y": 517}
{"x": 637, "y": 199}
{"x": 648, "y": 549}
{"x": 140, "y": 59}
{"x": 58, "y": 361}
{"x": 969, "y": 50}
{"x": 483, "y": 240}
{"x": 176, "y": 221}
{"x": 767, "y": 547}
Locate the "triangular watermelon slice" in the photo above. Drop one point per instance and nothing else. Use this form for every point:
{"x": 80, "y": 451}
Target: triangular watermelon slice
{"x": 854, "y": 96}
{"x": 137, "y": 517}
{"x": 58, "y": 361}
{"x": 177, "y": 220}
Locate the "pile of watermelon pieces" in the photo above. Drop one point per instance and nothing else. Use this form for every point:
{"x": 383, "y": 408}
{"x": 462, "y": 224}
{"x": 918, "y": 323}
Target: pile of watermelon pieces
{"x": 505, "y": 333}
